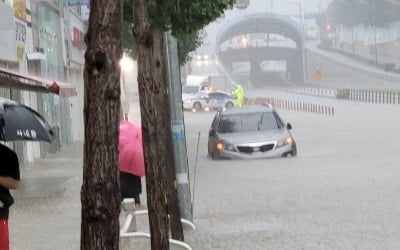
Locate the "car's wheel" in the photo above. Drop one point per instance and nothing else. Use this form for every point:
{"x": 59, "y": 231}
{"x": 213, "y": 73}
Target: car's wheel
{"x": 197, "y": 106}
{"x": 229, "y": 105}
{"x": 294, "y": 150}
{"x": 292, "y": 153}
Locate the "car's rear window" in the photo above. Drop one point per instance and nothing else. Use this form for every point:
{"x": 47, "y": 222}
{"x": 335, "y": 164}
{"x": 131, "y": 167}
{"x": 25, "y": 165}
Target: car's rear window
{"x": 249, "y": 122}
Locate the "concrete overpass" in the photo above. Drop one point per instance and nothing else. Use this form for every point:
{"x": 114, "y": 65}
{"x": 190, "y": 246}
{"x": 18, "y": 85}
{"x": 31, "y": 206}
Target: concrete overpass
{"x": 255, "y": 53}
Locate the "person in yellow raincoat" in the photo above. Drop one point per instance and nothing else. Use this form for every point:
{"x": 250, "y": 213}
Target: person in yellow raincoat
{"x": 238, "y": 92}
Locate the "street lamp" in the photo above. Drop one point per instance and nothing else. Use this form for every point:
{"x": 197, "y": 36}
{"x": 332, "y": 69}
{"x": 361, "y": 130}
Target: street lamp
{"x": 300, "y": 16}
{"x": 352, "y": 21}
{"x": 244, "y": 40}
{"x": 127, "y": 65}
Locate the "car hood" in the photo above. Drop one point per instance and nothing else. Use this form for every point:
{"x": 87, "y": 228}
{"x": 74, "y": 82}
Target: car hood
{"x": 254, "y": 137}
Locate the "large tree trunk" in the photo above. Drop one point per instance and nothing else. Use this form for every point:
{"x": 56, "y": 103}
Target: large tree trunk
{"x": 155, "y": 124}
{"x": 100, "y": 195}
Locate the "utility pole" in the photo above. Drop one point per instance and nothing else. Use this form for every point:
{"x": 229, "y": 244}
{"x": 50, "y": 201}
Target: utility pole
{"x": 352, "y": 27}
{"x": 351, "y": 20}
{"x": 372, "y": 5}
{"x": 374, "y": 23}
{"x": 178, "y": 128}
{"x": 301, "y": 19}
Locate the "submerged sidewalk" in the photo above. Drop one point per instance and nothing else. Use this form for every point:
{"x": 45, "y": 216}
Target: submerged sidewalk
{"x": 46, "y": 212}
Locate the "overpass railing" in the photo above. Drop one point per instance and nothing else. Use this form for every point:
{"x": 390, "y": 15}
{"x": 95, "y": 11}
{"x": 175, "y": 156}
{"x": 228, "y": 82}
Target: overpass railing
{"x": 292, "y": 105}
{"x": 355, "y": 95}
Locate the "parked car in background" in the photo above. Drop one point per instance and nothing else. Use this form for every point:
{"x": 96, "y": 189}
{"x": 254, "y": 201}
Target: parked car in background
{"x": 219, "y": 99}
{"x": 195, "y": 102}
{"x": 250, "y": 132}
{"x": 204, "y": 100}
{"x": 195, "y": 84}
{"x": 190, "y": 90}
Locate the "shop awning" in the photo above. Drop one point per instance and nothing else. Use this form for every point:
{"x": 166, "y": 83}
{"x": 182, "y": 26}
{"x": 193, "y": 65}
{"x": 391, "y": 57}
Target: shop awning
{"x": 15, "y": 80}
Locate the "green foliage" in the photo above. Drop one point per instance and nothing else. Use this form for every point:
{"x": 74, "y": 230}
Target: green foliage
{"x": 185, "y": 18}
{"x": 187, "y": 43}
{"x": 186, "y": 15}
{"x": 128, "y": 43}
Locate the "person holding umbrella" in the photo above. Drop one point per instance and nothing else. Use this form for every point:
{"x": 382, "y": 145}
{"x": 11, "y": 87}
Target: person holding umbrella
{"x": 131, "y": 161}
{"x": 17, "y": 122}
{"x": 9, "y": 179}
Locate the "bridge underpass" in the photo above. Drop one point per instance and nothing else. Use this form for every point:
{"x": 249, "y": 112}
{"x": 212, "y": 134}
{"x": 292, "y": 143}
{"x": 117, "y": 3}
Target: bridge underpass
{"x": 260, "y": 72}
{"x": 261, "y": 48}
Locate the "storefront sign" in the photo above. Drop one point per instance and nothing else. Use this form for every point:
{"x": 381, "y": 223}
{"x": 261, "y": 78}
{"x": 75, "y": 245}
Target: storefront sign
{"x": 20, "y": 9}
{"x": 77, "y": 38}
{"x": 48, "y": 35}
{"x": 20, "y": 38}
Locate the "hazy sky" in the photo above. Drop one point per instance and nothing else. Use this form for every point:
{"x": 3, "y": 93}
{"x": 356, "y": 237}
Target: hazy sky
{"x": 284, "y": 7}
{"x": 290, "y": 7}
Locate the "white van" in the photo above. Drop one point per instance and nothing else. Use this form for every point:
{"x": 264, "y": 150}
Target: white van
{"x": 195, "y": 84}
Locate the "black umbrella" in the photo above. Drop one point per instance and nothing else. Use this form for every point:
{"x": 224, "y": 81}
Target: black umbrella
{"x": 19, "y": 122}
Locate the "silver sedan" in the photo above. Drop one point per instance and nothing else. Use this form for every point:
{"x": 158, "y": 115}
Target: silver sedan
{"x": 250, "y": 133}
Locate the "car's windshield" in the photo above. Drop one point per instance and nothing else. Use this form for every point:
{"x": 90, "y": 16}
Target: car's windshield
{"x": 249, "y": 122}
{"x": 190, "y": 89}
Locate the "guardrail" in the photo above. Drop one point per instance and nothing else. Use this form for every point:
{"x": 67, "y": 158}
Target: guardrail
{"x": 323, "y": 92}
{"x": 291, "y": 105}
{"x": 355, "y": 95}
{"x": 369, "y": 96}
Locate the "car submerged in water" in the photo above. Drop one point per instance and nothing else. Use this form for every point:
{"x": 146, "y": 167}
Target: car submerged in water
{"x": 250, "y": 132}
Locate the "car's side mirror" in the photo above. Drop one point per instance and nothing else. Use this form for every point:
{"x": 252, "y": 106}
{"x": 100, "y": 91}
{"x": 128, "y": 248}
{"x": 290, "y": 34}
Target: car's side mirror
{"x": 288, "y": 126}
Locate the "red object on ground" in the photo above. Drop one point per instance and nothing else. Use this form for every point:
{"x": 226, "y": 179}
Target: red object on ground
{"x": 131, "y": 159}
{"x": 4, "y": 235}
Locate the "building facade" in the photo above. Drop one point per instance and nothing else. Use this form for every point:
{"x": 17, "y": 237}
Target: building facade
{"x": 40, "y": 43}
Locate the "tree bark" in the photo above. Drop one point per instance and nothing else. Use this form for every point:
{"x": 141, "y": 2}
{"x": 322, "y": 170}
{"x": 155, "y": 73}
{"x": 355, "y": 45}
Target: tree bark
{"x": 100, "y": 195}
{"x": 154, "y": 113}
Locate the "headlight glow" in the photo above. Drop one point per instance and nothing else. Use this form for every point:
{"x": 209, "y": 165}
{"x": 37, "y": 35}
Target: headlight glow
{"x": 220, "y": 146}
{"x": 286, "y": 141}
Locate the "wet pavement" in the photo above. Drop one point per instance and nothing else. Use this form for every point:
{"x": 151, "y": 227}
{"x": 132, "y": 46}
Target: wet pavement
{"x": 46, "y": 213}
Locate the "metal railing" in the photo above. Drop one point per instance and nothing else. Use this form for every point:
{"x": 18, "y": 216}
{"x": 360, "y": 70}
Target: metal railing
{"x": 292, "y": 105}
{"x": 129, "y": 227}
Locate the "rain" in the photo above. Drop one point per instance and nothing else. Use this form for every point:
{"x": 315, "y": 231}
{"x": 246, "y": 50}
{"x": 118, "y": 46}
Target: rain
{"x": 329, "y": 68}
{"x": 340, "y": 191}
